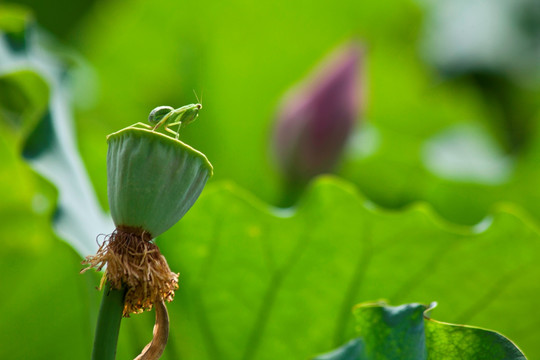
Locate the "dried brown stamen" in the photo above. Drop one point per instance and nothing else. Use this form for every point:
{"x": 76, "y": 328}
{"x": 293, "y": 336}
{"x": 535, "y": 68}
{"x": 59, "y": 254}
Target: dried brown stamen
{"x": 134, "y": 262}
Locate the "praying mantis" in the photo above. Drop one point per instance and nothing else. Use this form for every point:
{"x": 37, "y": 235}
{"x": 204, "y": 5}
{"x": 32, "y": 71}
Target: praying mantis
{"x": 166, "y": 116}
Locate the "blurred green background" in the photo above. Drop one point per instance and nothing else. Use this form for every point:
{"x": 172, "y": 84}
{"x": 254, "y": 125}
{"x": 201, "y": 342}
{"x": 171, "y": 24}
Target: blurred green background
{"x": 242, "y": 57}
{"x": 450, "y": 120}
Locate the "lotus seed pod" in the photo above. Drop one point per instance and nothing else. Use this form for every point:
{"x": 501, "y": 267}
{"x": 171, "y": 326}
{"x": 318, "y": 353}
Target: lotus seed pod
{"x": 153, "y": 179}
{"x": 158, "y": 113}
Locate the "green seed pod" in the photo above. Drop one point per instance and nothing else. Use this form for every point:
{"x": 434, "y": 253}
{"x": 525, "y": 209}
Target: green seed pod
{"x": 153, "y": 179}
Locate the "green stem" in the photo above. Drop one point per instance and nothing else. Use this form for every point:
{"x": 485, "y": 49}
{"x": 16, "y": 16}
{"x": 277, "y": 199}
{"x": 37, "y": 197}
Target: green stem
{"x": 108, "y": 325}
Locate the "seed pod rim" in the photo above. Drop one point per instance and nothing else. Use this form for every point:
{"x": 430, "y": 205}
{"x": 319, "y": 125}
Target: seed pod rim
{"x": 170, "y": 138}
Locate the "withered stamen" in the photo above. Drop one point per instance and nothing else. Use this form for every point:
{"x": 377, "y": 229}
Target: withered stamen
{"x": 136, "y": 263}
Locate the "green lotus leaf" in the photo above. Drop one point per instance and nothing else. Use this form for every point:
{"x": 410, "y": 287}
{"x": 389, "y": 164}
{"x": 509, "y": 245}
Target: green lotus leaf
{"x": 406, "y": 332}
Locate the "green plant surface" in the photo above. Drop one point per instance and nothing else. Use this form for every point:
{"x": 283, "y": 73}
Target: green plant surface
{"x": 108, "y": 326}
{"x": 250, "y": 276}
{"x": 23, "y": 96}
{"x": 407, "y": 332}
{"x": 50, "y": 309}
{"x": 36, "y": 110}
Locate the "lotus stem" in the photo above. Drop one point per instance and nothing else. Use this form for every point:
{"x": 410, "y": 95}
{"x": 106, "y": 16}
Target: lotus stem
{"x": 108, "y": 325}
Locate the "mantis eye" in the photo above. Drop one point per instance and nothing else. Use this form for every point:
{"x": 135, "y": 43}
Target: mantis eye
{"x": 158, "y": 113}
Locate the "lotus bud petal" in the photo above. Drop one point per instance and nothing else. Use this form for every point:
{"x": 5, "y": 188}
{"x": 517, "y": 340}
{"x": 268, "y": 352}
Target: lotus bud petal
{"x": 317, "y": 117}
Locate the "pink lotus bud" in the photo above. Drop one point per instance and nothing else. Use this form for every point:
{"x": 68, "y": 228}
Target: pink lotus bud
{"x": 317, "y": 117}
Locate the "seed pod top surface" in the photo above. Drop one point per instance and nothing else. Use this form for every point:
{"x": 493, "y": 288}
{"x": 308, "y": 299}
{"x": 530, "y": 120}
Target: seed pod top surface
{"x": 153, "y": 179}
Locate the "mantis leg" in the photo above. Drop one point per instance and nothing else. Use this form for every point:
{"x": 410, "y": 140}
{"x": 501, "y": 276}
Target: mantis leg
{"x": 178, "y": 131}
{"x": 176, "y": 135}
